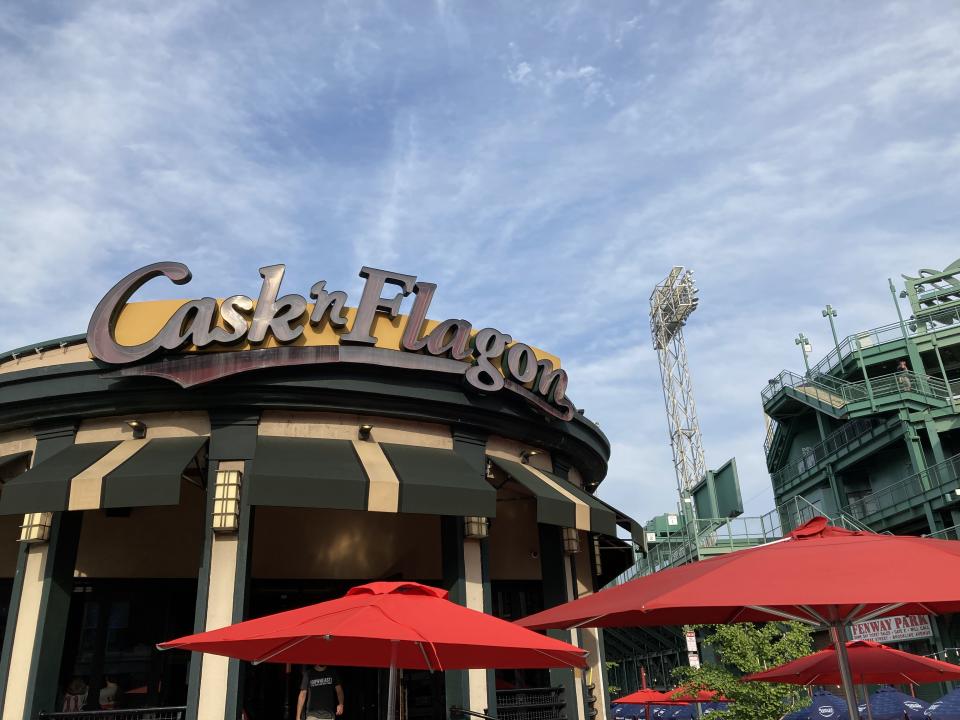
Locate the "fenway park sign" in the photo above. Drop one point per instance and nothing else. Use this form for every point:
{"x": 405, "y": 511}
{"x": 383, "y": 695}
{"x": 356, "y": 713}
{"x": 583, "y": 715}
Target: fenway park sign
{"x": 488, "y": 359}
{"x": 898, "y": 628}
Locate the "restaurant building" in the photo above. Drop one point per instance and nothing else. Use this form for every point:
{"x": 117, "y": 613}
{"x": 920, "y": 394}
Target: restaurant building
{"x": 188, "y": 464}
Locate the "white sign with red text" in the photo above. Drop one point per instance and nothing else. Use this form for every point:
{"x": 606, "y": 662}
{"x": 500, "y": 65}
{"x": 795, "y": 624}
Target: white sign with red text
{"x": 893, "y": 629}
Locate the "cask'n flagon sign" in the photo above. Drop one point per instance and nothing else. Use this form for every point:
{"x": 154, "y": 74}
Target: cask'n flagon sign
{"x": 488, "y": 359}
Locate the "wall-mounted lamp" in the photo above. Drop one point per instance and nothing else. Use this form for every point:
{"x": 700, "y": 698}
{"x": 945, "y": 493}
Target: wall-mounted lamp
{"x": 365, "y": 431}
{"x": 36, "y": 527}
{"x": 526, "y": 455}
{"x": 475, "y": 527}
{"x": 139, "y": 429}
{"x": 571, "y": 541}
{"x": 226, "y": 501}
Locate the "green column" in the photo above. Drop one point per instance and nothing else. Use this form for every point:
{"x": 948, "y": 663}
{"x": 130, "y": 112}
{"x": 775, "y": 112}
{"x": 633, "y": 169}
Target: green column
{"x": 454, "y": 582}
{"x": 55, "y": 597}
{"x": 554, "y": 576}
{"x": 472, "y": 447}
{"x": 232, "y": 437}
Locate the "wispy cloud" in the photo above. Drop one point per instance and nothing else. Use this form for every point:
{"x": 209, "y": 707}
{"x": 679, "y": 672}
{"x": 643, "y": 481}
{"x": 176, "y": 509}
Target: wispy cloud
{"x": 546, "y": 163}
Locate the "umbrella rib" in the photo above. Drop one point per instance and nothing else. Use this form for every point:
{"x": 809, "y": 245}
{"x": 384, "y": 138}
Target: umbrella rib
{"x": 783, "y": 614}
{"x": 282, "y": 648}
{"x": 814, "y": 614}
{"x": 853, "y": 613}
{"x": 425, "y": 658}
{"x": 587, "y": 621}
{"x": 880, "y": 611}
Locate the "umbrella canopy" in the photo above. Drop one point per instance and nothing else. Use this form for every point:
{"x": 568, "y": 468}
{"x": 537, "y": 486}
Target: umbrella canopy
{"x": 805, "y": 576}
{"x": 645, "y": 696}
{"x": 386, "y": 624}
{"x": 683, "y": 694}
{"x": 888, "y": 703}
{"x": 946, "y": 708}
{"x": 870, "y": 662}
{"x": 827, "y": 706}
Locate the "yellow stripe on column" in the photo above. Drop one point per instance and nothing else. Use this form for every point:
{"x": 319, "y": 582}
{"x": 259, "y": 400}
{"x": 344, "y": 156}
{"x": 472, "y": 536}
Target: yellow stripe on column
{"x": 86, "y": 489}
{"x": 384, "y": 491}
{"x": 582, "y": 509}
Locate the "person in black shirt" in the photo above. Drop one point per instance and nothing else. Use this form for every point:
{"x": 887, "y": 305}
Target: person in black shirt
{"x": 320, "y": 693}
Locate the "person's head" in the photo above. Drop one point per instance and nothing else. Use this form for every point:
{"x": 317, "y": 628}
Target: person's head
{"x": 76, "y": 686}
{"x": 902, "y": 365}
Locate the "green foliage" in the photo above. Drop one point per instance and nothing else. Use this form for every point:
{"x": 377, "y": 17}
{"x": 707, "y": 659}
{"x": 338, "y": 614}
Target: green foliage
{"x": 612, "y": 689}
{"x": 747, "y": 648}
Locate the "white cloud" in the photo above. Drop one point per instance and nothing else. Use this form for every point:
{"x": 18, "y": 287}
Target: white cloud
{"x": 545, "y": 164}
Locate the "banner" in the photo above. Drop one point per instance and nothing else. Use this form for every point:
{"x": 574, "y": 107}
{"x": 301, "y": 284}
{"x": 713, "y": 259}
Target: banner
{"x": 898, "y": 628}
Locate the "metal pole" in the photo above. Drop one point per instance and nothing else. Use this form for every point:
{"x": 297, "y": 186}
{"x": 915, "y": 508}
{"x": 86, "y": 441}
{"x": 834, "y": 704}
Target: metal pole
{"x": 829, "y": 313}
{"x": 838, "y": 635}
{"x": 866, "y": 699}
{"x": 803, "y": 342}
{"x": 392, "y": 683}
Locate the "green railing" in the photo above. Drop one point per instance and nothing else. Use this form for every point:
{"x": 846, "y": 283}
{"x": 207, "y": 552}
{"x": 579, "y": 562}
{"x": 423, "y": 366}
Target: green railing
{"x": 833, "y": 442}
{"x": 907, "y": 490}
{"x": 836, "y": 392}
{"x": 930, "y": 322}
{"x": 788, "y": 379}
{"x": 708, "y": 535}
{"x": 859, "y": 341}
{"x": 950, "y": 533}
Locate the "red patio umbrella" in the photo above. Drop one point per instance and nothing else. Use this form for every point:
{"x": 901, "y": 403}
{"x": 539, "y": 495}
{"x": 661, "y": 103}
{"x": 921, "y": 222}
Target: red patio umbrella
{"x": 870, "y": 663}
{"x": 648, "y": 697}
{"x": 641, "y": 697}
{"x": 386, "y": 624}
{"x": 820, "y": 575}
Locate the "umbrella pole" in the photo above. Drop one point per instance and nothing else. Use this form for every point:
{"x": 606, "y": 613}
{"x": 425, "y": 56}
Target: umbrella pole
{"x": 866, "y": 697}
{"x": 392, "y": 683}
{"x": 839, "y": 637}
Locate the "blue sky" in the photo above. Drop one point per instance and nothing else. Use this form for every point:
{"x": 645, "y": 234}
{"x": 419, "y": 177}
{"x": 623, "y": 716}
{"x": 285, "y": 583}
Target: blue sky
{"x": 545, "y": 163}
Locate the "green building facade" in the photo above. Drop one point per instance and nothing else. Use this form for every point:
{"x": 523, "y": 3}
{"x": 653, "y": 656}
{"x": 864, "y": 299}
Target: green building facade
{"x": 870, "y": 434}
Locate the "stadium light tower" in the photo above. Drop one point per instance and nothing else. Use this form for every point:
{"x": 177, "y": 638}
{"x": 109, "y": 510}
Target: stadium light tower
{"x": 671, "y": 304}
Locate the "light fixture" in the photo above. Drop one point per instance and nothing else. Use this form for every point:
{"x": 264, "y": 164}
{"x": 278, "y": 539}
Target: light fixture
{"x": 365, "y": 431}
{"x": 226, "y": 501}
{"x": 476, "y": 527}
{"x": 597, "y": 562}
{"x": 36, "y": 527}
{"x": 571, "y": 541}
{"x": 526, "y": 455}
{"x": 139, "y": 429}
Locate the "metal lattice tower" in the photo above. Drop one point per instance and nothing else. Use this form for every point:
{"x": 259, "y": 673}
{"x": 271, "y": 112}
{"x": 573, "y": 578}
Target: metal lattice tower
{"x": 671, "y": 304}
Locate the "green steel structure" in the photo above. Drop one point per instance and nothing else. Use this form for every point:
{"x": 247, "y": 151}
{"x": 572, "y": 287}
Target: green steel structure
{"x": 871, "y": 432}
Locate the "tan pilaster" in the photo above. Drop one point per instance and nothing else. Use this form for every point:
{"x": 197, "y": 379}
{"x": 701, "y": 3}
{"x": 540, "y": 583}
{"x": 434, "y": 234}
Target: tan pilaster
{"x": 25, "y": 634}
{"x": 473, "y": 575}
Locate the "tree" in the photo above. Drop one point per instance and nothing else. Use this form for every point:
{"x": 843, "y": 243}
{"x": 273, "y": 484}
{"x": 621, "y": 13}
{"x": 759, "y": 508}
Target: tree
{"x": 747, "y": 648}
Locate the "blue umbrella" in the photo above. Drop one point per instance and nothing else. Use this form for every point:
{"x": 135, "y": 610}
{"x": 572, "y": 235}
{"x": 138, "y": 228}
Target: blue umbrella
{"x": 801, "y": 714}
{"x": 680, "y": 712}
{"x": 628, "y": 710}
{"x": 888, "y": 703}
{"x": 946, "y": 708}
{"x": 827, "y": 706}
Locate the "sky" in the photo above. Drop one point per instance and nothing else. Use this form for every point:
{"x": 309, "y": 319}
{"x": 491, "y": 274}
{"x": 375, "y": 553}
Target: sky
{"x": 545, "y": 163}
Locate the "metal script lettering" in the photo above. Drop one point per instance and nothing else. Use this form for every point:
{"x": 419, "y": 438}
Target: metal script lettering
{"x": 100, "y": 331}
{"x": 371, "y": 303}
{"x": 488, "y": 361}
